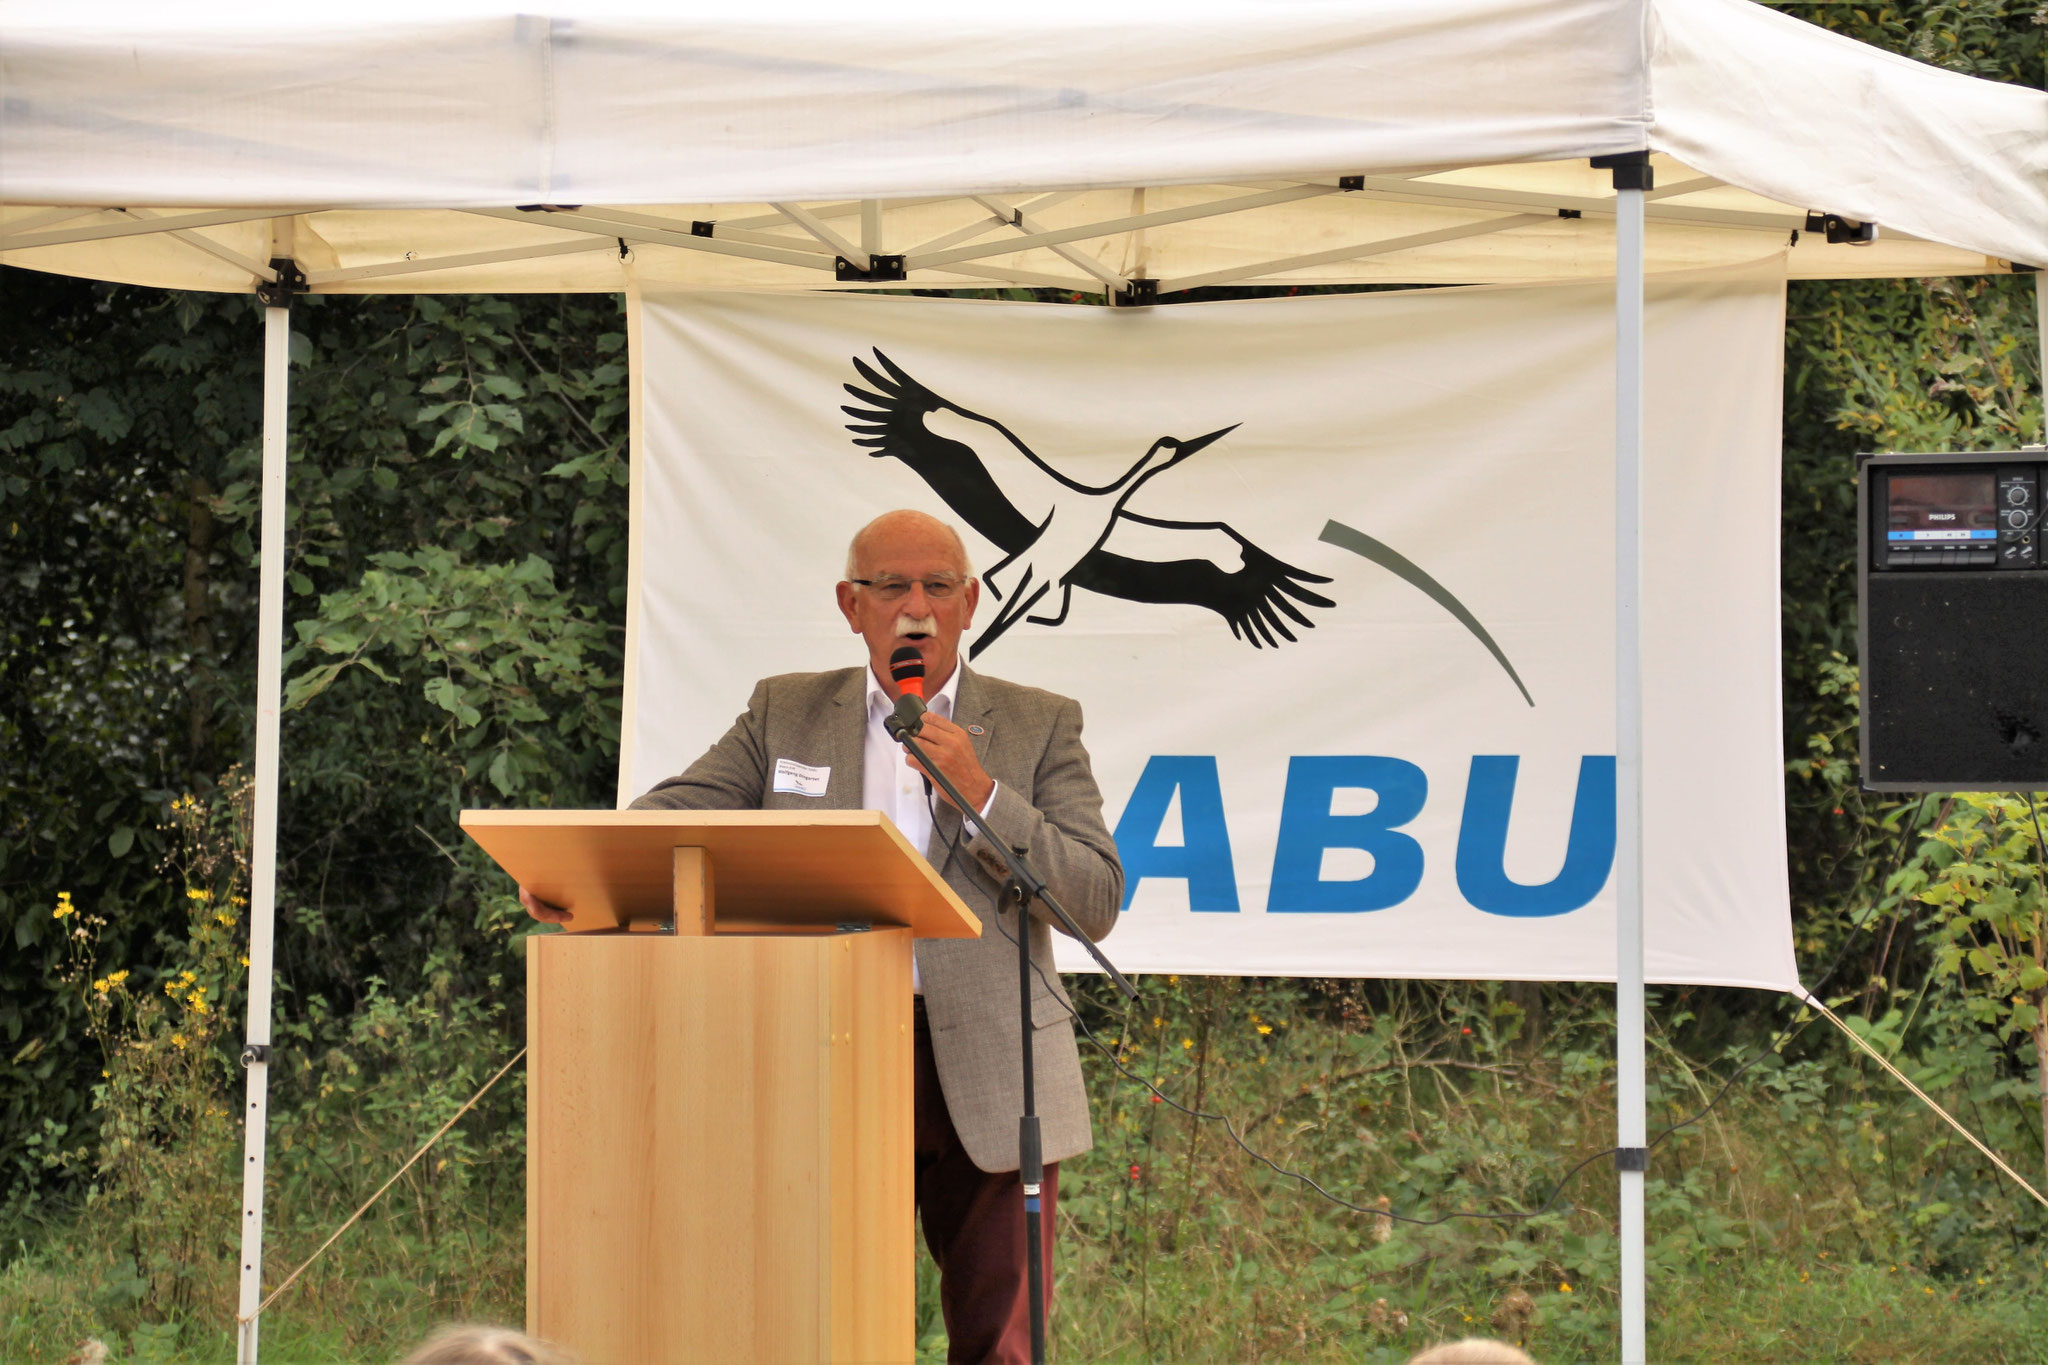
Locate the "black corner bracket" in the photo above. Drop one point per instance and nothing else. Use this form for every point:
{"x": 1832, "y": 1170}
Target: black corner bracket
{"x": 2019, "y": 269}
{"x": 1139, "y": 293}
{"x": 290, "y": 281}
{"x": 1839, "y": 230}
{"x": 1350, "y": 184}
{"x": 886, "y": 269}
{"x": 700, "y": 228}
{"x": 1632, "y": 1158}
{"x": 1631, "y": 170}
{"x": 254, "y": 1053}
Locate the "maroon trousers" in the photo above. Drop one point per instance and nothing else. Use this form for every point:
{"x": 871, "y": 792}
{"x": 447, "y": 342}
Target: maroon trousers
{"x": 974, "y": 1228}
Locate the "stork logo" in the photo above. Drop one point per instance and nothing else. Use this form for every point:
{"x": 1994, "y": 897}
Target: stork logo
{"x": 1054, "y": 530}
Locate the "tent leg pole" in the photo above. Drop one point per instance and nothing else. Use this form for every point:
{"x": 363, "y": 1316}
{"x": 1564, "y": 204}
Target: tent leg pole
{"x": 263, "y": 842}
{"x": 1631, "y": 1123}
{"x": 2041, "y": 338}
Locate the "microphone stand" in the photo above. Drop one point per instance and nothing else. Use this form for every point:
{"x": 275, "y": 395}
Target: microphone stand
{"x": 1025, "y": 885}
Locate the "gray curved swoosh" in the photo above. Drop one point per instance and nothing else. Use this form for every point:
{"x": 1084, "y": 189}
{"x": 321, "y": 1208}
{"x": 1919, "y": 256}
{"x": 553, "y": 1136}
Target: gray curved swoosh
{"x": 1392, "y": 560}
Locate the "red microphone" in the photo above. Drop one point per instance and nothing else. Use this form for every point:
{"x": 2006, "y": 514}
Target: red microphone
{"x": 906, "y": 666}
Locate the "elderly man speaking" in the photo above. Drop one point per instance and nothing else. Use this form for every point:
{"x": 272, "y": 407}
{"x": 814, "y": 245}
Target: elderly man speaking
{"x": 813, "y": 741}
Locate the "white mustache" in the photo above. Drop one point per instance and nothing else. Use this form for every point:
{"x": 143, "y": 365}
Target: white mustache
{"x": 917, "y": 625}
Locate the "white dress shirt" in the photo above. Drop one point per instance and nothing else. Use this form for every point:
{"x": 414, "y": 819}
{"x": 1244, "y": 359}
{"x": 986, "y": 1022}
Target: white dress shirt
{"x": 891, "y": 786}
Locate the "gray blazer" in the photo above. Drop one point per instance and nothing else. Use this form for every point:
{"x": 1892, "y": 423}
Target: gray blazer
{"x": 1046, "y": 801}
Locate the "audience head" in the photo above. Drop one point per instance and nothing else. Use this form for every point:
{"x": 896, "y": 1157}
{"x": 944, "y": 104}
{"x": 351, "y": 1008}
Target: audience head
{"x": 471, "y": 1345}
{"x": 1473, "y": 1351}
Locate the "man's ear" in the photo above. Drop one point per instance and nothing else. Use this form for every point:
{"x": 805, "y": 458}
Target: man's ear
{"x": 846, "y": 606}
{"x": 970, "y": 597}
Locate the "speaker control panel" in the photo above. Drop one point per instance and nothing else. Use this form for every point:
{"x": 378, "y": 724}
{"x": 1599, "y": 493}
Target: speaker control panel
{"x": 2019, "y": 516}
{"x": 1960, "y": 513}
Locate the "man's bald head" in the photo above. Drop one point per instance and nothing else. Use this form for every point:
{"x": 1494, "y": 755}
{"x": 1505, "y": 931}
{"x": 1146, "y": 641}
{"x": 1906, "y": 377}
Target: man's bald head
{"x": 903, "y": 526}
{"x": 908, "y": 583}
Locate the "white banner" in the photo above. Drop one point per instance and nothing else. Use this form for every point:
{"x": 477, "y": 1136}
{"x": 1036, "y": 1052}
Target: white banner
{"x": 1346, "y": 651}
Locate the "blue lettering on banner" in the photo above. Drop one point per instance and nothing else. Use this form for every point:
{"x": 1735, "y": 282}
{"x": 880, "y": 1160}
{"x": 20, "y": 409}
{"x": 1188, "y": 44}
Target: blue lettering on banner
{"x": 1307, "y": 828}
{"x": 1483, "y": 838}
{"x": 1202, "y": 858}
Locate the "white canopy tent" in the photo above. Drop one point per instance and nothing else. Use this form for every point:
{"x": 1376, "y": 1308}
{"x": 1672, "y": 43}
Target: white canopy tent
{"x": 1131, "y": 149}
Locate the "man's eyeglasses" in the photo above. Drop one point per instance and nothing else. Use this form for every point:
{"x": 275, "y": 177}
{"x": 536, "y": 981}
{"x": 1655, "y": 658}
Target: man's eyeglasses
{"x": 893, "y": 589}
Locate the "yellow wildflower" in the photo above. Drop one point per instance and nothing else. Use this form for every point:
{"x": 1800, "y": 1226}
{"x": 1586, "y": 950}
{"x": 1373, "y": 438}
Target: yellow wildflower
{"x": 1263, "y": 1028}
{"x": 65, "y": 909}
{"x": 245, "y": 961}
{"x": 1564, "y": 1287}
{"x": 198, "y": 893}
{"x": 196, "y": 1005}
{"x": 100, "y": 985}
{"x": 178, "y": 1041}
{"x": 223, "y": 917}
{"x": 118, "y": 977}
{"x": 1187, "y": 1042}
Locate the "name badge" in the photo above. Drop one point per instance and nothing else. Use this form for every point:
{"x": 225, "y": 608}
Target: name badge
{"x": 800, "y": 779}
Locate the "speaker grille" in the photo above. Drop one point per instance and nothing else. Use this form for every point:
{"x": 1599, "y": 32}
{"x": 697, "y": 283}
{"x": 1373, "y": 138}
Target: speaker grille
{"x": 1955, "y": 681}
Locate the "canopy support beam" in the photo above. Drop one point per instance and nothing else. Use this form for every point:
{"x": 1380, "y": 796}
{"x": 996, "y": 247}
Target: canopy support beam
{"x": 1385, "y": 247}
{"x": 318, "y": 279}
{"x": 256, "y": 1055}
{"x": 820, "y": 229}
{"x": 1023, "y": 222}
{"x": 135, "y": 225}
{"x": 804, "y": 256}
{"x": 211, "y": 248}
{"x": 1110, "y": 227}
{"x": 871, "y": 227}
{"x": 989, "y": 224}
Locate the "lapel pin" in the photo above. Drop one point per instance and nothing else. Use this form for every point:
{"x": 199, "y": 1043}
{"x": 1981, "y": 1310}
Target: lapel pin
{"x": 976, "y": 730}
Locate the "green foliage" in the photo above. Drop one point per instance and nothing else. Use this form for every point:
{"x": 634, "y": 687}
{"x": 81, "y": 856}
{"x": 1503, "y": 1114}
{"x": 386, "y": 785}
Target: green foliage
{"x": 1998, "y": 40}
{"x": 458, "y": 466}
{"x": 496, "y": 644}
{"x": 1985, "y": 874}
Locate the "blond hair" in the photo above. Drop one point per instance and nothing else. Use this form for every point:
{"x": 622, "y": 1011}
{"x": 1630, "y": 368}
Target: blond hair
{"x": 1473, "y": 1351}
{"x": 465, "y": 1344}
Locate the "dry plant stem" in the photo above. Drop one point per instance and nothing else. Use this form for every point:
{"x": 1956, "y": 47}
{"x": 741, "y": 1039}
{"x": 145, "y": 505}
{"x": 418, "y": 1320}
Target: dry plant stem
{"x": 1927, "y": 1099}
{"x": 1202, "y": 1017}
{"x": 335, "y": 1236}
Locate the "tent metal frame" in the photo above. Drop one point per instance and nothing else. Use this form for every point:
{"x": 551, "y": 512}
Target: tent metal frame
{"x": 751, "y": 238}
{"x": 805, "y": 237}
{"x": 809, "y": 237}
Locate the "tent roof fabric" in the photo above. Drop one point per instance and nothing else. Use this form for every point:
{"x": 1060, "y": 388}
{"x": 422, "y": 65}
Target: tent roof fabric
{"x": 411, "y": 147}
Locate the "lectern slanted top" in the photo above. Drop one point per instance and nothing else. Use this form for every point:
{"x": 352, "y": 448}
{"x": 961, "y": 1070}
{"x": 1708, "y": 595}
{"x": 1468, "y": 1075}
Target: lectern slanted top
{"x": 774, "y": 869}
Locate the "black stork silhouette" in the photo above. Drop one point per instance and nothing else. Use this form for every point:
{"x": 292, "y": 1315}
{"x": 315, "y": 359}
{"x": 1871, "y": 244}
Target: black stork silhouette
{"x": 1053, "y": 529}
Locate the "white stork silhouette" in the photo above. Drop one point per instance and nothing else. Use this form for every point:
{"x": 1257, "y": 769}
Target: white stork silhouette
{"x": 1054, "y": 527}
{"x": 1078, "y": 521}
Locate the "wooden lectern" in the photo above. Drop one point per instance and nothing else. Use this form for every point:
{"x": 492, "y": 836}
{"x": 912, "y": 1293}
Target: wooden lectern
{"x": 719, "y": 1081}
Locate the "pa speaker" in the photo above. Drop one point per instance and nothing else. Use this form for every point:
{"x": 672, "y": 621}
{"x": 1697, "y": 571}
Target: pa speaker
{"x": 1953, "y": 606}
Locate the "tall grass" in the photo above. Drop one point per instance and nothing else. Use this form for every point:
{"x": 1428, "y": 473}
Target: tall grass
{"x": 1815, "y": 1214}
